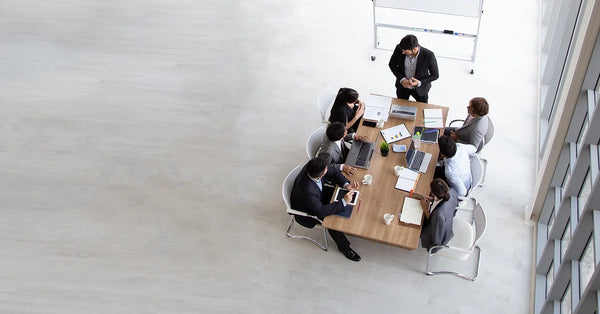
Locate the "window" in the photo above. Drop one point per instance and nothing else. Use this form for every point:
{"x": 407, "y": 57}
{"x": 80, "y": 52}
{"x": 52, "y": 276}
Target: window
{"x": 550, "y": 223}
{"x": 549, "y": 278}
{"x": 584, "y": 193}
{"x": 565, "y": 303}
{"x": 565, "y": 240}
{"x": 586, "y": 265}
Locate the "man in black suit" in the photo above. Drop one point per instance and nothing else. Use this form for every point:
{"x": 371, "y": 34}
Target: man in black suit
{"x": 415, "y": 67}
{"x": 334, "y": 149}
{"x": 308, "y": 196}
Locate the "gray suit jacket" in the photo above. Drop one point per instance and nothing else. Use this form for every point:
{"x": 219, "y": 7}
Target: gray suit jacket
{"x": 475, "y": 131}
{"x": 437, "y": 229}
{"x": 331, "y": 152}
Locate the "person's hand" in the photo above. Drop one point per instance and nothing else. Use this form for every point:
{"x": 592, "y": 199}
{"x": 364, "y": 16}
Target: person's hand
{"x": 425, "y": 205}
{"x": 352, "y": 186}
{"x": 453, "y": 136}
{"x": 361, "y": 138}
{"x": 361, "y": 108}
{"x": 349, "y": 169}
{"x": 406, "y": 83}
{"x": 414, "y": 82}
{"x": 348, "y": 196}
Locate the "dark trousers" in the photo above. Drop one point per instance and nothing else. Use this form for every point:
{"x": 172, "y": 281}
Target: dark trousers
{"x": 404, "y": 93}
{"x": 338, "y": 237}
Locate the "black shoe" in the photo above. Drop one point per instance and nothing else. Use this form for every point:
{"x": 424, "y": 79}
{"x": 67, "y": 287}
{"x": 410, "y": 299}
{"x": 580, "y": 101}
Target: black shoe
{"x": 350, "y": 254}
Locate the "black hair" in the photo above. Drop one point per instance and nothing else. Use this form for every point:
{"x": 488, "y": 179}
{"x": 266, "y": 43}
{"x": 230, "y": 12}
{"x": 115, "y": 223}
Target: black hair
{"x": 345, "y": 96}
{"x": 316, "y": 166}
{"x": 335, "y": 131}
{"x": 409, "y": 42}
{"x": 447, "y": 146}
{"x": 439, "y": 188}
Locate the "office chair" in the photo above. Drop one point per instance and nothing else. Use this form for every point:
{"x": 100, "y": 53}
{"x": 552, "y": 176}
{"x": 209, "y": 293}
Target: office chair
{"x": 314, "y": 141}
{"x": 489, "y": 134}
{"x": 325, "y": 102}
{"x": 477, "y": 173}
{"x": 462, "y": 247}
{"x": 286, "y": 191}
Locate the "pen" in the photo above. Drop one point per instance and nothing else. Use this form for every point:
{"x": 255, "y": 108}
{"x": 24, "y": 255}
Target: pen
{"x": 428, "y": 121}
{"x": 358, "y": 208}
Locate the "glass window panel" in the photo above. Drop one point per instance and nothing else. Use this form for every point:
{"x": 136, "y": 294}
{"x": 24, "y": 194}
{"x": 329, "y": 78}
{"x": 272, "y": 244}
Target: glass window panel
{"x": 564, "y": 241}
{"x": 582, "y": 132}
{"x": 549, "y": 278}
{"x": 586, "y": 265}
{"x": 550, "y": 223}
{"x": 565, "y": 303}
{"x": 584, "y": 192}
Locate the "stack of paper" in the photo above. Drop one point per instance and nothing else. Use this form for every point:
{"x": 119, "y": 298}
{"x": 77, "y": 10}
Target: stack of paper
{"x": 411, "y": 211}
{"x": 377, "y": 108}
{"x": 395, "y": 133}
{"x": 433, "y": 118}
{"x": 407, "y": 180}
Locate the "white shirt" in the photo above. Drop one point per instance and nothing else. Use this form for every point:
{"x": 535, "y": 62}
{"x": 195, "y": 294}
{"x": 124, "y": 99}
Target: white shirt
{"x": 458, "y": 168}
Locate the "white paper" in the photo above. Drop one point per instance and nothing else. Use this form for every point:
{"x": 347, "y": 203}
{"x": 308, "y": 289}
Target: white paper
{"x": 378, "y": 101}
{"x": 395, "y": 133}
{"x": 376, "y": 113}
{"x": 411, "y": 211}
{"x": 407, "y": 180}
{"x": 433, "y": 118}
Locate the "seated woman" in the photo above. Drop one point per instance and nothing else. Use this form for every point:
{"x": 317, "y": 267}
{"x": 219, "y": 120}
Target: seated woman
{"x": 477, "y": 128}
{"x": 347, "y": 109}
{"x": 439, "y": 213}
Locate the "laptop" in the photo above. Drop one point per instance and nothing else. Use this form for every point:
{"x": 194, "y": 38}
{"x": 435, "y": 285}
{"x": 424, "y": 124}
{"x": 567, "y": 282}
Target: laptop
{"x": 360, "y": 154}
{"x": 417, "y": 160}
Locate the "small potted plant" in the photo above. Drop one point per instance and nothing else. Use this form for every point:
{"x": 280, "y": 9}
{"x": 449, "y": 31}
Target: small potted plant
{"x": 384, "y": 148}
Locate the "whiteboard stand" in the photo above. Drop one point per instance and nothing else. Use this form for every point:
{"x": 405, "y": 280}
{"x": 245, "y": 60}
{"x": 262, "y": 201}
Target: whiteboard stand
{"x": 450, "y": 28}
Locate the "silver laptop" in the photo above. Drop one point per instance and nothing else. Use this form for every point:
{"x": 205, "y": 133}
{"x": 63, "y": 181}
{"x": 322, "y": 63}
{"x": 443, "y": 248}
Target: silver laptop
{"x": 360, "y": 154}
{"x": 416, "y": 159}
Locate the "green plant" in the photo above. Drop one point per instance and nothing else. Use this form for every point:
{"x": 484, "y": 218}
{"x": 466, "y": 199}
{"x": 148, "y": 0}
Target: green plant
{"x": 384, "y": 146}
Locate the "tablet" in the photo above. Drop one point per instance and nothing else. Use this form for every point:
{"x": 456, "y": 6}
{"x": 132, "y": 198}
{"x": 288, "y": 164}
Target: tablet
{"x": 340, "y": 192}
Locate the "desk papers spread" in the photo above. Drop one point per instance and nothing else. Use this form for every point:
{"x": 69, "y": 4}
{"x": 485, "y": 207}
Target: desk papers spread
{"x": 411, "y": 211}
{"x": 433, "y": 118}
{"x": 395, "y": 133}
{"x": 407, "y": 180}
{"x": 377, "y": 107}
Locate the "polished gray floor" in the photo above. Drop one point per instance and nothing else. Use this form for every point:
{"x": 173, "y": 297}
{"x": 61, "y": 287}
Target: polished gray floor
{"x": 143, "y": 145}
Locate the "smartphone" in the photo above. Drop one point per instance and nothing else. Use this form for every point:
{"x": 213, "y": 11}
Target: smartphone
{"x": 369, "y": 123}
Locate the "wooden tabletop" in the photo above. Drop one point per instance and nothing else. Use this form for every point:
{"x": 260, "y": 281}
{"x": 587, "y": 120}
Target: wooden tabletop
{"x": 381, "y": 196}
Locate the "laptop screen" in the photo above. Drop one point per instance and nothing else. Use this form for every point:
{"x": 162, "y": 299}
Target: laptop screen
{"x": 410, "y": 153}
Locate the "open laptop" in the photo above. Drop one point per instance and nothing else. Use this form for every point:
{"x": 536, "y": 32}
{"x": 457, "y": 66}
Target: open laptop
{"x": 417, "y": 160}
{"x": 360, "y": 154}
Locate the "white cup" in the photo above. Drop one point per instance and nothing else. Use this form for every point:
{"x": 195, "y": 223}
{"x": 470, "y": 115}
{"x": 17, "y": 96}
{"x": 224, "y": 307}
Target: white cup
{"x": 380, "y": 123}
{"x": 417, "y": 142}
{"x": 387, "y": 218}
{"x": 398, "y": 170}
{"x": 368, "y": 179}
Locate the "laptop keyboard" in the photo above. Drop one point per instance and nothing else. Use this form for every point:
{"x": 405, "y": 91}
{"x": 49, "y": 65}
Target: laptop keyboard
{"x": 417, "y": 160}
{"x": 363, "y": 154}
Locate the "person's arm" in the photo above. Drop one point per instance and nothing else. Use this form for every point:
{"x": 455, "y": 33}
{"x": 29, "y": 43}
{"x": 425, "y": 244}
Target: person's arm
{"x": 454, "y": 181}
{"x": 357, "y": 115}
{"x": 433, "y": 69}
{"x": 478, "y": 132}
{"x": 313, "y": 202}
{"x": 394, "y": 63}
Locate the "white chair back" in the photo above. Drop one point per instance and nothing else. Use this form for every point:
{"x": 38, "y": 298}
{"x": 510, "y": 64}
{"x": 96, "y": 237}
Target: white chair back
{"x": 314, "y": 141}
{"x": 288, "y": 184}
{"x": 480, "y": 222}
{"x": 476, "y": 173}
{"x": 325, "y": 101}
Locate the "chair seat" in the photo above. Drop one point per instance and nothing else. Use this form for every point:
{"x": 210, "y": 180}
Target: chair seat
{"x": 463, "y": 238}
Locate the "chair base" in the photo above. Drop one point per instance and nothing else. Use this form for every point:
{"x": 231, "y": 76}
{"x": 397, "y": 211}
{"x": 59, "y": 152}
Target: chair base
{"x": 471, "y": 278}
{"x": 293, "y": 236}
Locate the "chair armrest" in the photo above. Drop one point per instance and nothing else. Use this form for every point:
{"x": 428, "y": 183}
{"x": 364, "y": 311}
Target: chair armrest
{"x": 299, "y": 213}
{"x": 470, "y": 200}
{"x": 457, "y": 120}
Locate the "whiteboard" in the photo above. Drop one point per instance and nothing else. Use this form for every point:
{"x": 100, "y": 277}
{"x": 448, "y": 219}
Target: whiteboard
{"x": 456, "y": 7}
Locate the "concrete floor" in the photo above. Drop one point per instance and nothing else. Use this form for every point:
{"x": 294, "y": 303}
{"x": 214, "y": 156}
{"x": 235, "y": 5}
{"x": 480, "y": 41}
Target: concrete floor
{"x": 143, "y": 146}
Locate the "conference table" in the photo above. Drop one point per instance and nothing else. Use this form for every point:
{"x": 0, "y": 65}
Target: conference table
{"x": 381, "y": 196}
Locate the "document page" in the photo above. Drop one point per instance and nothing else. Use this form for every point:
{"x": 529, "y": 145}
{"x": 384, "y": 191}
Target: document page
{"x": 411, "y": 211}
{"x": 433, "y": 118}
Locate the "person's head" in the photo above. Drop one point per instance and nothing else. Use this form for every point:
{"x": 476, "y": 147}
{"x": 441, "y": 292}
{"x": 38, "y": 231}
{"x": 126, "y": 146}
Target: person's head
{"x": 346, "y": 96}
{"x": 336, "y": 131}
{"x": 409, "y": 45}
{"x": 316, "y": 167}
{"x": 478, "y": 106}
{"x": 447, "y": 146}
{"x": 439, "y": 189}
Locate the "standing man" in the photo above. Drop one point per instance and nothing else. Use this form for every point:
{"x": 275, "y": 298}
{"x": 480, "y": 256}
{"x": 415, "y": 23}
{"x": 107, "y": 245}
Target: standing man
{"x": 415, "y": 67}
{"x": 309, "y": 196}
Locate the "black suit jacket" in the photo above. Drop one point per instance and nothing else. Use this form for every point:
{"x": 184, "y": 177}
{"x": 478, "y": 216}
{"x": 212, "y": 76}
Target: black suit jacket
{"x": 426, "y": 71}
{"x": 437, "y": 229}
{"x": 307, "y": 197}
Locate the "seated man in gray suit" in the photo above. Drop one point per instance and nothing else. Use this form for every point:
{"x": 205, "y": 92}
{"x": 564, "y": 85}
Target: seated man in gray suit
{"x": 334, "y": 147}
{"x": 477, "y": 129}
{"x": 439, "y": 213}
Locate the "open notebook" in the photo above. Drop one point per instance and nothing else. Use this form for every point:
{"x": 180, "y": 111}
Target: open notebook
{"x": 412, "y": 213}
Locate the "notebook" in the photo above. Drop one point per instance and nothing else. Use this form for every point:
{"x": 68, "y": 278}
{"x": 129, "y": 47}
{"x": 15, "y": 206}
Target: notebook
{"x": 428, "y": 135}
{"x": 407, "y": 180}
{"x": 412, "y": 212}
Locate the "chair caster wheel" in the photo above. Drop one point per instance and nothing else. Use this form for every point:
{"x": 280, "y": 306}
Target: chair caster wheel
{"x": 373, "y": 58}
{"x": 472, "y": 71}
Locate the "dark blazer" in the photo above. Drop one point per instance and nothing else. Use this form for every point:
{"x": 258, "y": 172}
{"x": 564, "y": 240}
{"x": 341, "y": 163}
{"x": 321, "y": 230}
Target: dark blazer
{"x": 307, "y": 197}
{"x": 426, "y": 71}
{"x": 331, "y": 152}
{"x": 437, "y": 229}
{"x": 475, "y": 131}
